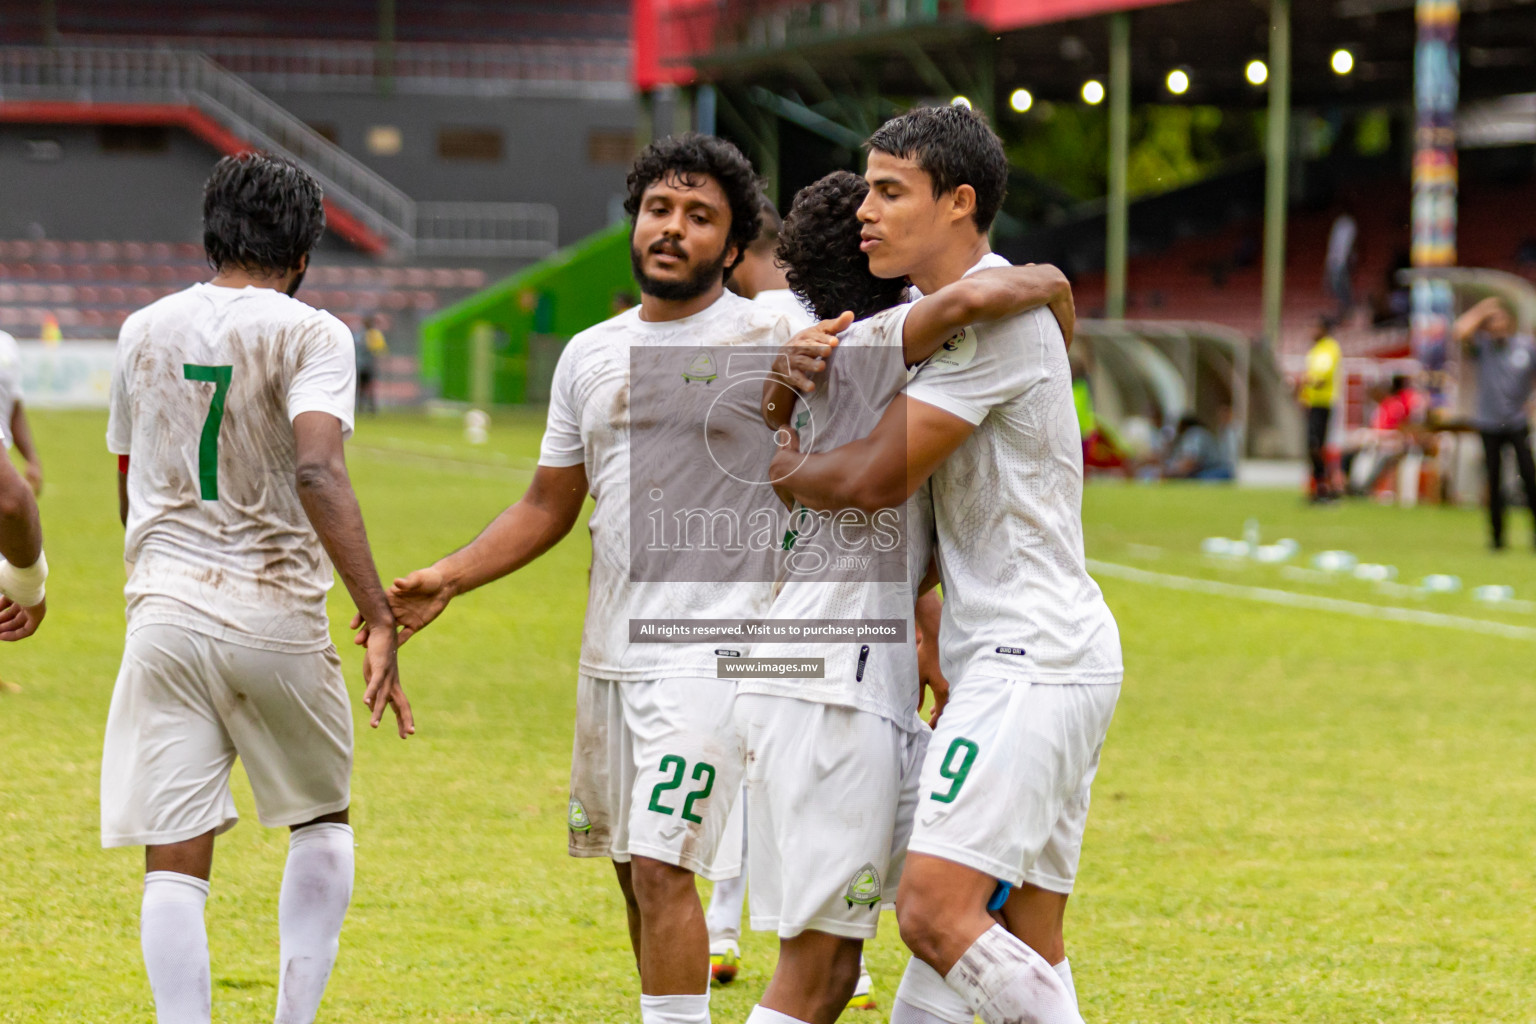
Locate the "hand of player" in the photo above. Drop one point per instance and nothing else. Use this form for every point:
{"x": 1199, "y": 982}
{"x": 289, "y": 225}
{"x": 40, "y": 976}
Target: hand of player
{"x": 381, "y": 672}
{"x": 418, "y": 599}
{"x": 785, "y": 461}
{"x": 18, "y": 623}
{"x": 34, "y": 475}
{"x": 806, "y": 353}
{"x": 930, "y": 677}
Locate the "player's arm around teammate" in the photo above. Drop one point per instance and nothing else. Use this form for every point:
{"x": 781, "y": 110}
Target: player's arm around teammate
{"x": 24, "y": 569}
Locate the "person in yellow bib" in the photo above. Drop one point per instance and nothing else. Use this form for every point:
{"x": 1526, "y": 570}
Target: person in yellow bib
{"x": 1316, "y": 391}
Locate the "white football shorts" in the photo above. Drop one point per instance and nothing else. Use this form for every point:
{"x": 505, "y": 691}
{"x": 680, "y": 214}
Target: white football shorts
{"x": 655, "y": 773}
{"x": 186, "y": 705}
{"x": 831, "y": 796}
{"x": 1005, "y": 785}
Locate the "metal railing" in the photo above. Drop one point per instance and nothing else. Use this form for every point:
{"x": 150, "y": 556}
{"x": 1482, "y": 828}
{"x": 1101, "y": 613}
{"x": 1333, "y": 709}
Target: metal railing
{"x": 594, "y": 67}
{"x": 102, "y": 75}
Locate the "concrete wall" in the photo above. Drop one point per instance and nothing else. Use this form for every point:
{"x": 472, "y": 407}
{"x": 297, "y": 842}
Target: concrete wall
{"x": 90, "y": 193}
{"x": 544, "y": 148}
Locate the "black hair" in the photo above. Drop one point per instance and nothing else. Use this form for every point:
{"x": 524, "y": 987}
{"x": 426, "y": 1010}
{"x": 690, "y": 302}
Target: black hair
{"x": 954, "y": 146}
{"x": 692, "y": 156}
{"x": 1399, "y": 383}
{"x": 819, "y": 251}
{"x": 260, "y": 213}
{"x": 768, "y": 235}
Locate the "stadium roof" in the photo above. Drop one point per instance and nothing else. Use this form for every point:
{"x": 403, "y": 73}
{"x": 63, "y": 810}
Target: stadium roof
{"x": 1052, "y": 47}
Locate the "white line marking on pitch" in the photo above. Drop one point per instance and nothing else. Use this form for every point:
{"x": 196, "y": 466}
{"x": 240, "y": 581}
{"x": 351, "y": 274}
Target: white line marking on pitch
{"x": 1312, "y": 602}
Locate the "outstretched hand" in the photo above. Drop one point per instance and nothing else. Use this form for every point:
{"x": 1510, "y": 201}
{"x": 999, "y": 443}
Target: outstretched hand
{"x": 806, "y": 353}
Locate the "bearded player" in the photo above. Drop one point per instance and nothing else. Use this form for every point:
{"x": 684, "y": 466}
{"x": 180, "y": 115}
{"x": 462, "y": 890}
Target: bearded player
{"x": 657, "y": 764}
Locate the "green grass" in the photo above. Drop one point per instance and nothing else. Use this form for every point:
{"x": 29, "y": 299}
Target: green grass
{"x": 1300, "y": 816}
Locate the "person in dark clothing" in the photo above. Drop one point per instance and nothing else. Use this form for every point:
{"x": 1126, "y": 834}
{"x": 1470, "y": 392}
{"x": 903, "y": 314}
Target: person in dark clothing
{"x": 1505, "y": 361}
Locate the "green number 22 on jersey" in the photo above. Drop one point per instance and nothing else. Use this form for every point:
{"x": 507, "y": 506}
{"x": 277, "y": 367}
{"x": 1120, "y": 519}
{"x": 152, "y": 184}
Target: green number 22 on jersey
{"x": 208, "y": 446}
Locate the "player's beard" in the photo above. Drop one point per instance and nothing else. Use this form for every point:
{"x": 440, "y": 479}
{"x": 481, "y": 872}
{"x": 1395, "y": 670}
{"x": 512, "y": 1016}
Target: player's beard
{"x": 298, "y": 279}
{"x": 691, "y": 287}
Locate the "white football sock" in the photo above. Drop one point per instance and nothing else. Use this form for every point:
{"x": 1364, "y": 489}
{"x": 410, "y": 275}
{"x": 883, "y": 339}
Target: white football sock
{"x": 762, "y": 1015}
{"x": 317, "y": 886}
{"x": 724, "y": 915}
{"x": 175, "y": 942}
{"x": 1064, "y": 972}
{"x": 1004, "y": 980}
{"x": 687, "y": 1009}
{"x": 924, "y": 998}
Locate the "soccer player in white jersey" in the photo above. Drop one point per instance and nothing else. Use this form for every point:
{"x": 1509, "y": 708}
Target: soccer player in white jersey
{"x": 1029, "y": 645}
{"x": 657, "y": 765}
{"x": 760, "y": 278}
{"x": 13, "y": 413}
{"x": 832, "y": 775}
{"x": 229, "y": 404}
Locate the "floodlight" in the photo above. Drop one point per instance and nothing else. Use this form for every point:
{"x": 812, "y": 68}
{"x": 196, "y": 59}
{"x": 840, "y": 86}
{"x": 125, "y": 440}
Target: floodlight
{"x": 961, "y": 101}
{"x": 1257, "y": 72}
{"x": 1343, "y": 62}
{"x": 1020, "y": 100}
{"x": 1093, "y": 92}
{"x": 1178, "y": 82}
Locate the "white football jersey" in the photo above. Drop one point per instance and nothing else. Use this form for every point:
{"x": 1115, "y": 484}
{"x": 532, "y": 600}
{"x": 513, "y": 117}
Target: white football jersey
{"x": 876, "y": 677}
{"x": 10, "y": 383}
{"x": 589, "y": 425}
{"x": 1018, "y": 600}
{"x": 782, "y": 300}
{"x": 205, "y": 388}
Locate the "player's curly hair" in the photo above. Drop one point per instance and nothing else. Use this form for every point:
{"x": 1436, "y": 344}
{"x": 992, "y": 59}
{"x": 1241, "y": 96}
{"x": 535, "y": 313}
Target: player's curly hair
{"x": 690, "y": 157}
{"x": 819, "y": 251}
{"x": 260, "y": 213}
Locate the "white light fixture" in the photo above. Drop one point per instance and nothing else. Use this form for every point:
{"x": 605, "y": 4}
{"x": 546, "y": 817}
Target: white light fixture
{"x": 1257, "y": 72}
{"x": 1178, "y": 82}
{"x": 961, "y": 101}
{"x": 1343, "y": 62}
{"x": 1021, "y": 100}
{"x": 1093, "y": 92}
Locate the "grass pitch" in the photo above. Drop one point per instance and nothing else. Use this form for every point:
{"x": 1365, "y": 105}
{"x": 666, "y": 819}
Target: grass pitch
{"x": 1301, "y": 815}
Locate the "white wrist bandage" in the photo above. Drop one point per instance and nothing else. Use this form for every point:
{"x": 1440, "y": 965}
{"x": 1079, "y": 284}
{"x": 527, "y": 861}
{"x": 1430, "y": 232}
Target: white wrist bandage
{"x": 24, "y": 586}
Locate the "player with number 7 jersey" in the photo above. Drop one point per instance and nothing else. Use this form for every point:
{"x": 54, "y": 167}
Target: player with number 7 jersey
{"x": 230, "y": 403}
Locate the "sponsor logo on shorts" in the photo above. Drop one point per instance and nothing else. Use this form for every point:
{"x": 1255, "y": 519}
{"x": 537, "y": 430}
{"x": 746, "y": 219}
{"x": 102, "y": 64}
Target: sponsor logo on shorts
{"x": 1010, "y": 650}
{"x": 864, "y": 888}
{"x": 576, "y": 817}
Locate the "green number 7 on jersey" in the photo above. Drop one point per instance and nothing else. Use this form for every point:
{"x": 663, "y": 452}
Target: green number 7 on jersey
{"x": 208, "y": 446}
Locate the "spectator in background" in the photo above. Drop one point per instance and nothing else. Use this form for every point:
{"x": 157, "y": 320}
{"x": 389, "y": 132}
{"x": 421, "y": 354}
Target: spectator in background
{"x": 13, "y": 418}
{"x": 1506, "y": 372}
{"x": 1399, "y": 410}
{"x": 371, "y": 346}
{"x": 1318, "y": 386}
{"x": 1339, "y": 263}
{"x": 1196, "y": 454}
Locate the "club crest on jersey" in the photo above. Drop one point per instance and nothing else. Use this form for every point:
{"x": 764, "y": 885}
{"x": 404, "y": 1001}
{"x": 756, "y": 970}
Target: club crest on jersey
{"x": 864, "y": 888}
{"x": 701, "y": 369}
{"x": 576, "y": 817}
{"x": 958, "y": 351}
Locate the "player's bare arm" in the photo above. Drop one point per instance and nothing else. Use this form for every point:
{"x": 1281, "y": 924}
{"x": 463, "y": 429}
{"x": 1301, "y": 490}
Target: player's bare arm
{"x": 879, "y": 471}
{"x": 21, "y": 435}
{"x": 23, "y": 604}
{"x": 984, "y": 297}
{"x": 527, "y": 529}
{"x": 325, "y": 490}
